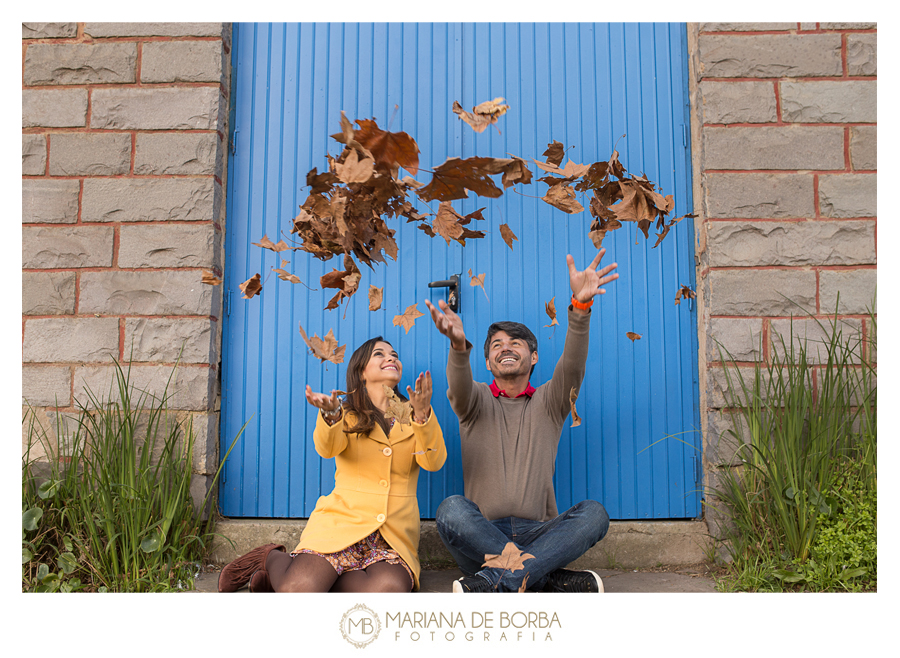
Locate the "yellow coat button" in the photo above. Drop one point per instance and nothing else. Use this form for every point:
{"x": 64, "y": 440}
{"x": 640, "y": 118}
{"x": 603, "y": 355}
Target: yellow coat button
{"x": 383, "y": 483}
{"x": 387, "y": 451}
{"x": 380, "y": 518}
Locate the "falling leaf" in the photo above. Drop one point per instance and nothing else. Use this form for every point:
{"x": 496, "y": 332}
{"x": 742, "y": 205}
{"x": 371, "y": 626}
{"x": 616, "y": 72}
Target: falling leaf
{"x": 387, "y": 148}
{"x": 354, "y": 170}
{"x": 397, "y": 409}
{"x": 375, "y": 295}
{"x": 455, "y": 177}
{"x": 266, "y": 243}
{"x": 633, "y": 336}
{"x": 284, "y": 275}
{"x": 210, "y": 279}
{"x": 408, "y": 319}
{"x": 684, "y": 293}
{"x": 576, "y": 419}
{"x": 346, "y": 280}
{"x": 251, "y": 286}
{"x": 555, "y": 153}
{"x": 446, "y": 222}
{"x": 482, "y": 115}
{"x": 550, "y": 308}
{"x": 507, "y": 235}
{"x": 562, "y": 197}
{"x": 325, "y": 349}
{"x": 512, "y": 558}
{"x": 478, "y": 281}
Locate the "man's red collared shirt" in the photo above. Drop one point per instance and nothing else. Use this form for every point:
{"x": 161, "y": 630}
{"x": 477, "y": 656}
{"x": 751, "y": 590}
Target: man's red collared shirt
{"x": 529, "y": 390}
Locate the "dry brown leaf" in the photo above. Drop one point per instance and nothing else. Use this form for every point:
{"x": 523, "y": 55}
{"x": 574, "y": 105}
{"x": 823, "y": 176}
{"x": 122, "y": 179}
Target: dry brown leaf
{"x": 633, "y": 336}
{"x": 375, "y": 296}
{"x": 408, "y": 319}
{"x": 447, "y": 222}
{"x": 576, "y": 419}
{"x": 684, "y": 293}
{"x": 251, "y": 286}
{"x": 397, "y": 409}
{"x": 482, "y": 115}
{"x": 325, "y": 349}
{"x": 550, "y": 308}
{"x": 507, "y": 235}
{"x": 354, "y": 170}
{"x": 555, "y": 153}
{"x": 209, "y": 278}
{"x": 562, "y": 197}
{"x": 524, "y": 584}
{"x": 455, "y": 176}
{"x": 284, "y": 275}
{"x": 266, "y": 243}
{"x": 387, "y": 148}
{"x": 512, "y": 558}
{"x": 478, "y": 281}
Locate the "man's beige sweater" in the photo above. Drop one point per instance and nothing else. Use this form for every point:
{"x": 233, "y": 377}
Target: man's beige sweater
{"x": 509, "y": 444}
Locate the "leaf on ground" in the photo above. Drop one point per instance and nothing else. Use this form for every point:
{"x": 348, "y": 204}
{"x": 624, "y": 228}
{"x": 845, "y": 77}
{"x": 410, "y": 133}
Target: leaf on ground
{"x": 576, "y": 419}
{"x": 397, "y": 409}
{"x": 512, "y": 558}
{"x": 684, "y": 293}
{"x": 507, "y": 235}
{"x": 554, "y": 153}
{"x": 266, "y": 243}
{"x": 550, "y": 308}
{"x": 483, "y": 114}
{"x": 387, "y": 148}
{"x": 251, "y": 286}
{"x": 209, "y": 278}
{"x": 562, "y": 197}
{"x": 408, "y": 319}
{"x": 478, "y": 281}
{"x": 325, "y": 349}
{"x": 524, "y": 584}
{"x": 633, "y": 336}
{"x": 284, "y": 275}
{"x": 375, "y": 295}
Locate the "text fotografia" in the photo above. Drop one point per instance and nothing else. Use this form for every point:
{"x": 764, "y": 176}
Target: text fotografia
{"x": 477, "y": 626}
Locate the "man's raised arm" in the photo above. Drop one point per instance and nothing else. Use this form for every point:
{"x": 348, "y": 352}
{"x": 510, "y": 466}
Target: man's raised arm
{"x": 459, "y": 370}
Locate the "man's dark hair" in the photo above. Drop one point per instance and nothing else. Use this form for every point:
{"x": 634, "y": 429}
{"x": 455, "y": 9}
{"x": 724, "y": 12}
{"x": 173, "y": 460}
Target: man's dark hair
{"x": 513, "y": 330}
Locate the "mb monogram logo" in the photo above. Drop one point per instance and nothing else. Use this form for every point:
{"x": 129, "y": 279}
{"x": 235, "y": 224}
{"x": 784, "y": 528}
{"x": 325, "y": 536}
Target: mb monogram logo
{"x": 360, "y": 626}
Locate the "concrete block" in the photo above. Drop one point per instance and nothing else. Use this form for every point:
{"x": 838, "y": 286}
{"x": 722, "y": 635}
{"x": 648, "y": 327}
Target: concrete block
{"x": 205, "y": 427}
{"x": 70, "y": 340}
{"x": 855, "y": 287}
{"x": 848, "y": 26}
{"x": 157, "y": 108}
{"x": 167, "y": 245}
{"x": 141, "y": 200}
{"x": 738, "y": 102}
{"x": 189, "y": 389}
{"x": 176, "y": 153}
{"x": 748, "y": 244}
{"x": 164, "y": 292}
{"x": 48, "y": 293}
{"x": 80, "y": 63}
{"x": 154, "y": 29}
{"x": 848, "y": 195}
{"x": 727, "y": 433}
{"x": 182, "y": 61}
{"x": 49, "y": 30}
{"x": 48, "y": 247}
{"x": 864, "y": 148}
{"x": 831, "y": 101}
{"x": 759, "y": 196}
{"x": 737, "y": 339}
{"x": 168, "y": 340}
{"x": 770, "y": 55}
{"x": 762, "y": 292}
{"x": 34, "y": 155}
{"x": 46, "y": 386}
{"x": 747, "y": 27}
{"x": 862, "y": 51}
{"x": 814, "y": 337}
{"x": 781, "y": 147}
{"x": 90, "y": 154}
{"x": 54, "y": 108}
{"x": 47, "y": 201}
{"x": 730, "y": 386}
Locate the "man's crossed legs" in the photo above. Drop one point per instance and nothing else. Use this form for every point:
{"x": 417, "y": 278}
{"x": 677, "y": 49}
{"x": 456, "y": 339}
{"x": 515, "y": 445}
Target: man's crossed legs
{"x": 554, "y": 543}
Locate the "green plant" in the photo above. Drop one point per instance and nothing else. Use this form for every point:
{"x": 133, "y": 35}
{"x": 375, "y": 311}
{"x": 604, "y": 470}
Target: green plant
{"x": 806, "y": 425}
{"x": 111, "y": 509}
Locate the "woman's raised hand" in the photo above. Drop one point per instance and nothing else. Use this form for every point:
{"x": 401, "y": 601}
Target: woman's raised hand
{"x": 322, "y": 401}
{"x": 420, "y": 398}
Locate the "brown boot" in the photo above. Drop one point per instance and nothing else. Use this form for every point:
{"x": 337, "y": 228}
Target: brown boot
{"x": 259, "y": 582}
{"x": 237, "y": 573}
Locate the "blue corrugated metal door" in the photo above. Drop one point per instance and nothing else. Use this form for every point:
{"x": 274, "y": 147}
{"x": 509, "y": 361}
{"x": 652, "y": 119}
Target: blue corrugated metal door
{"x": 589, "y": 86}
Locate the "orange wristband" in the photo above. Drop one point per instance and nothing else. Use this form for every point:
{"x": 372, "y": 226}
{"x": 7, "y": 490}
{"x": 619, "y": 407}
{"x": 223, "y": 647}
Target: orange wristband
{"x": 581, "y": 306}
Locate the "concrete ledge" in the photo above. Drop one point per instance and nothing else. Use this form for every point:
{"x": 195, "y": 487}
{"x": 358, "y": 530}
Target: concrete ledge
{"x": 628, "y": 545}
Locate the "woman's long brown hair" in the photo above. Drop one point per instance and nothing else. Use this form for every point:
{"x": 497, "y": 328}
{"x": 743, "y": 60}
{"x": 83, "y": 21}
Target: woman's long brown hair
{"x": 357, "y": 399}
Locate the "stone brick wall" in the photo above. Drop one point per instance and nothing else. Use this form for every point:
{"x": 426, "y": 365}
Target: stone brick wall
{"x": 123, "y": 171}
{"x": 784, "y": 135}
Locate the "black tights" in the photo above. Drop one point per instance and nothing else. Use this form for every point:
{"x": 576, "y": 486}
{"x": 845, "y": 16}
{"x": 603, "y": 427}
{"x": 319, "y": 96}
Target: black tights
{"x": 311, "y": 573}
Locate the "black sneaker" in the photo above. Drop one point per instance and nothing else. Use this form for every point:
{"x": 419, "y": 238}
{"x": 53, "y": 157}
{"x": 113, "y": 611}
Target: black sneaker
{"x": 566, "y": 580}
{"x": 472, "y": 585}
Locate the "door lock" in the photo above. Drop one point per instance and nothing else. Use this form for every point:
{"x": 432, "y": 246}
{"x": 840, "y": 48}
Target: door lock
{"x": 453, "y": 294}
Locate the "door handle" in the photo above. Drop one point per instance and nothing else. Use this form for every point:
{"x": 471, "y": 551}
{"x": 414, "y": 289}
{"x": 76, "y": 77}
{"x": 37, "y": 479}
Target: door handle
{"x": 453, "y": 294}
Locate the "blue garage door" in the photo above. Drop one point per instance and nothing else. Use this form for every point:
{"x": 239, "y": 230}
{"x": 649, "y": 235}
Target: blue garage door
{"x": 591, "y": 87}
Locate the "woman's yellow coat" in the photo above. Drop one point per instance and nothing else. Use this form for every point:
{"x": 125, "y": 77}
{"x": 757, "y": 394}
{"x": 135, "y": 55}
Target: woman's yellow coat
{"x": 374, "y": 486}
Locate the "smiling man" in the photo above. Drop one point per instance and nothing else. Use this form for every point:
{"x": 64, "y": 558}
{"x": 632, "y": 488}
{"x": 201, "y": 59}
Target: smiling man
{"x": 509, "y": 434}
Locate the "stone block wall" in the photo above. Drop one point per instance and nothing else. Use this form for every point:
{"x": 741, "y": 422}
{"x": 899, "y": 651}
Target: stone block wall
{"x": 784, "y": 147}
{"x": 123, "y": 173}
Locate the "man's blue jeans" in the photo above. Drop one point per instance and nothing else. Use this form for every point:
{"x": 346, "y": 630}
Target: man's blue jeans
{"x": 554, "y": 543}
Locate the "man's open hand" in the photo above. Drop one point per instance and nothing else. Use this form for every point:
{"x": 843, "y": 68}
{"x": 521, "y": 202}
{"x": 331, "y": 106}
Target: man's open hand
{"x": 448, "y": 323}
{"x": 588, "y": 283}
